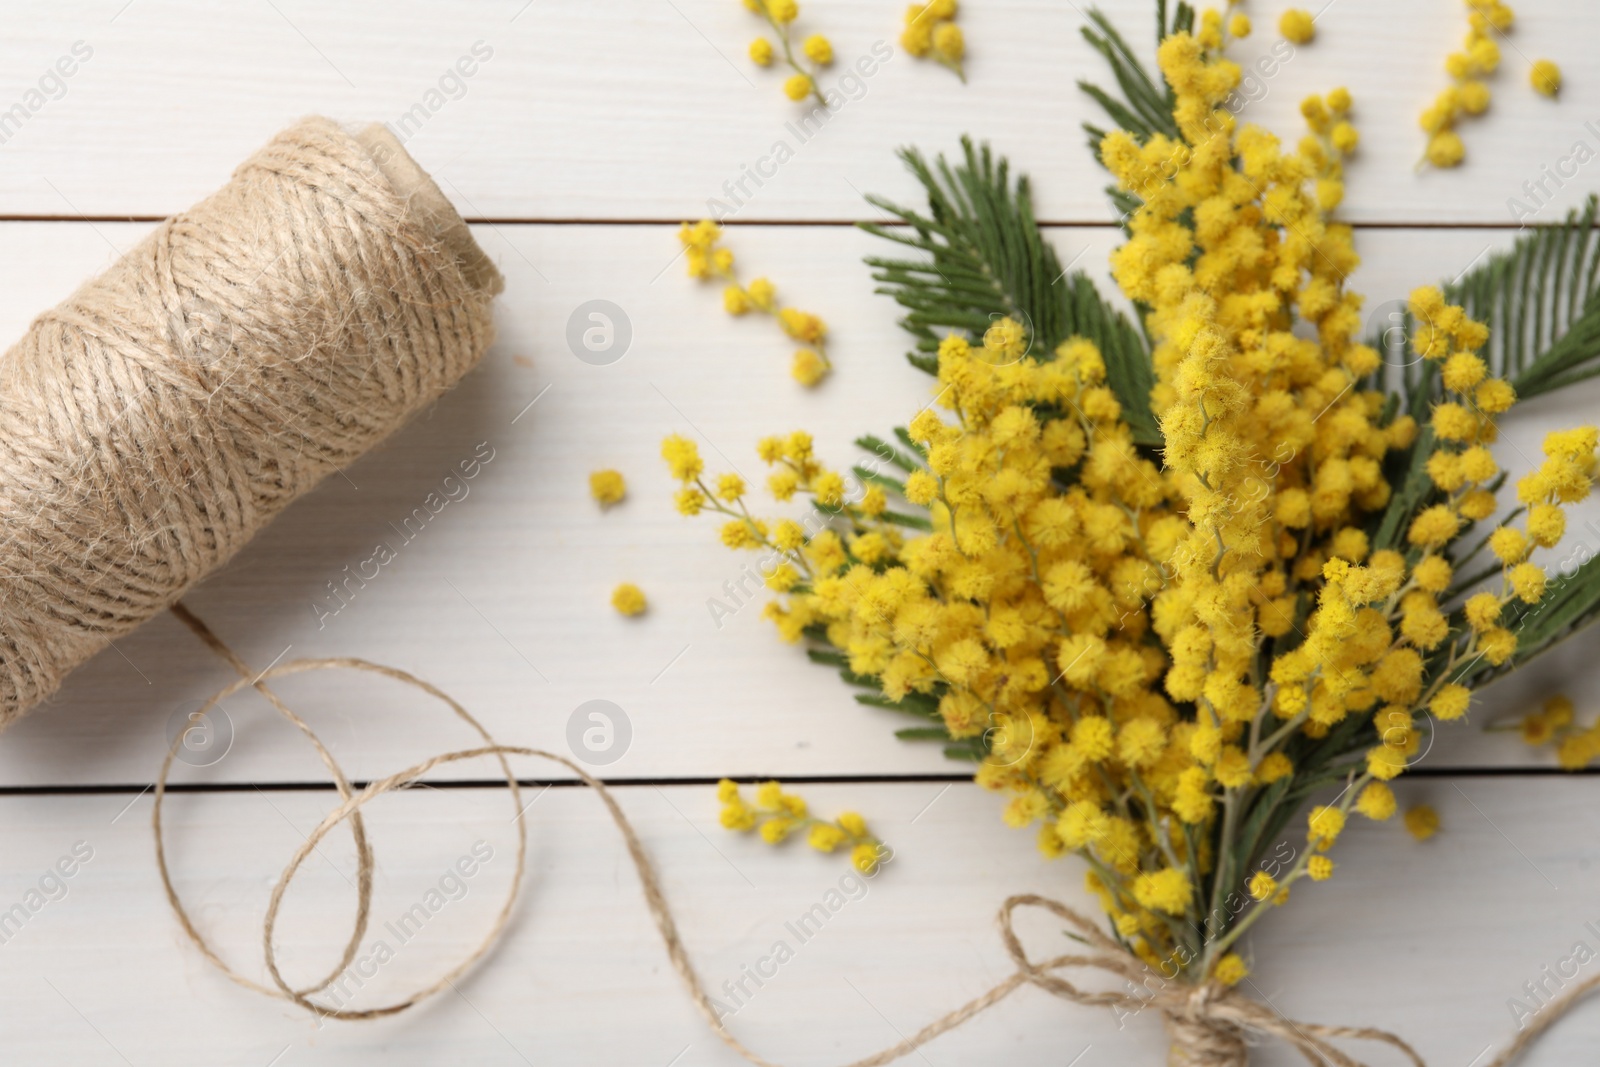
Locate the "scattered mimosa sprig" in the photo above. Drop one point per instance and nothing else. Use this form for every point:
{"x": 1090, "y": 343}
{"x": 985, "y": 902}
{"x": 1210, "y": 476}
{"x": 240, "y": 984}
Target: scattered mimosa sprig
{"x": 707, "y": 260}
{"x": 794, "y": 552}
{"x": 1555, "y": 723}
{"x": 779, "y": 816}
{"x": 1469, "y": 70}
{"x": 818, "y": 51}
{"x": 931, "y": 31}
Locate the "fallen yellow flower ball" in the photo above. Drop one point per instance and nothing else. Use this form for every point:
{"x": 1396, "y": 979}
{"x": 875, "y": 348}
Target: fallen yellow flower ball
{"x": 1546, "y": 78}
{"x": 628, "y": 599}
{"x": 1422, "y": 821}
{"x": 808, "y": 368}
{"x": 1445, "y": 149}
{"x": 1297, "y": 26}
{"x": 607, "y": 487}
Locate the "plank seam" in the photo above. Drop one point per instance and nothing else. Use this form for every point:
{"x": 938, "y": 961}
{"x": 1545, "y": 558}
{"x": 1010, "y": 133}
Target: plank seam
{"x": 532, "y": 220}
{"x": 120, "y": 788}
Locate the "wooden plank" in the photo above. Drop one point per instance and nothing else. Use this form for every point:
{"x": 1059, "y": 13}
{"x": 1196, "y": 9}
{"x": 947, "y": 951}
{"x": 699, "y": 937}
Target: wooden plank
{"x": 502, "y": 599}
{"x": 581, "y": 976}
{"x": 646, "y": 110}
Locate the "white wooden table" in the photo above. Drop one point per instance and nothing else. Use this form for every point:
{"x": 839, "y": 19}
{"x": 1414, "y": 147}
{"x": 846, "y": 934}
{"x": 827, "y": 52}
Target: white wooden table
{"x": 581, "y": 139}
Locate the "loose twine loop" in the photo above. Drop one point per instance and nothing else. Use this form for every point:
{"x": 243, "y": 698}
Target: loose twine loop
{"x": 1209, "y": 1025}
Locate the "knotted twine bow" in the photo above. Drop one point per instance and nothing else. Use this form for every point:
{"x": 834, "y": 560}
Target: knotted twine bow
{"x": 1209, "y": 1025}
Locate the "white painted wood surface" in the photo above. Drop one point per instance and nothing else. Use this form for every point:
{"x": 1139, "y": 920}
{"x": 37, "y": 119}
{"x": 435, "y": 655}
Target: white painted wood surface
{"x": 517, "y": 575}
{"x": 644, "y": 108}
{"x": 585, "y": 134}
{"x": 1431, "y": 940}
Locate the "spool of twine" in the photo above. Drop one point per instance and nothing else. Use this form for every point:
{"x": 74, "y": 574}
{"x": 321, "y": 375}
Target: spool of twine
{"x": 151, "y": 423}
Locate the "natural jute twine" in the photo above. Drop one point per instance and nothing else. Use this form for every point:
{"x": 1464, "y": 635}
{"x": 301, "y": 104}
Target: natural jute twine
{"x": 167, "y": 410}
{"x": 1208, "y": 1025}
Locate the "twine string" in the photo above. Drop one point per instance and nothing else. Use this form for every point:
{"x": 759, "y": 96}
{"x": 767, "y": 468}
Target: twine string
{"x": 1548, "y": 1017}
{"x": 358, "y": 829}
{"x": 364, "y": 860}
{"x": 1209, "y": 1024}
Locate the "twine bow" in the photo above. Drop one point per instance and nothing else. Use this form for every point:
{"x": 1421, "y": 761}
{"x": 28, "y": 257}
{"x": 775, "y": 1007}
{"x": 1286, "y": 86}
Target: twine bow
{"x": 1209, "y": 1025}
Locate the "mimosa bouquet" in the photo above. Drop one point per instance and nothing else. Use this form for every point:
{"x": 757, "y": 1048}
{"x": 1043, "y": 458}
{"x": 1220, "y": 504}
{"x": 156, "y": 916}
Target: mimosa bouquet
{"x": 1190, "y": 586}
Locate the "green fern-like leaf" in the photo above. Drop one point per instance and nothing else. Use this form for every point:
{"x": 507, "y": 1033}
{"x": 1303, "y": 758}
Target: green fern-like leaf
{"x": 884, "y": 450}
{"x": 1413, "y": 490}
{"x": 984, "y": 258}
{"x": 1541, "y": 302}
{"x": 1145, "y": 106}
{"x": 1540, "y": 299}
{"x": 882, "y": 481}
{"x": 1182, "y": 20}
{"x": 970, "y": 750}
{"x": 984, "y": 248}
{"x": 923, "y": 733}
